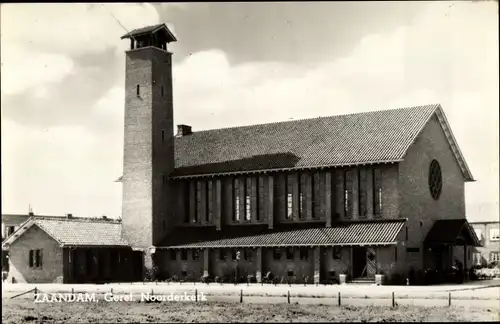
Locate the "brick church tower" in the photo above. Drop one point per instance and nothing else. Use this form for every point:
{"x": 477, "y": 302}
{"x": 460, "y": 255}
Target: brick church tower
{"x": 148, "y": 156}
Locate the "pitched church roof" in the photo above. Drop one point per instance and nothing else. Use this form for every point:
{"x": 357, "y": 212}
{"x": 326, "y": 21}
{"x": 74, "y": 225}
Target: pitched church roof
{"x": 74, "y": 231}
{"x": 361, "y": 138}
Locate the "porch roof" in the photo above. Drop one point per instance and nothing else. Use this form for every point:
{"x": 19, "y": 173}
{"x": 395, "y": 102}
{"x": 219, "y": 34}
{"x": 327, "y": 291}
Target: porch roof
{"x": 452, "y": 231}
{"x": 380, "y": 232}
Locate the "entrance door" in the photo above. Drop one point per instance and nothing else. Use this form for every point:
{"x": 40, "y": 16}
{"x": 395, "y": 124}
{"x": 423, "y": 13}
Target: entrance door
{"x": 358, "y": 261}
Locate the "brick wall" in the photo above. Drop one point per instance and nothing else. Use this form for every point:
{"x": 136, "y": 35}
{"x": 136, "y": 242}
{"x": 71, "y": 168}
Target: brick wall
{"x": 415, "y": 200}
{"x": 193, "y": 268}
{"x": 52, "y": 266}
{"x": 281, "y": 267}
{"x": 148, "y": 146}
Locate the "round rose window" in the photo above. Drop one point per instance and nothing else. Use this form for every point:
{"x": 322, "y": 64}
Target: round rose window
{"x": 435, "y": 179}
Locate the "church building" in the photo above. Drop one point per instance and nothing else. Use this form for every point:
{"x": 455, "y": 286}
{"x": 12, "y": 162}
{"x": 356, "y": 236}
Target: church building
{"x": 306, "y": 200}
{"x": 327, "y": 199}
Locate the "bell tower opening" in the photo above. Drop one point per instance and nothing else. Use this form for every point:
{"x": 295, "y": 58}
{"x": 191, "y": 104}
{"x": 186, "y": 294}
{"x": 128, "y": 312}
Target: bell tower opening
{"x": 152, "y": 36}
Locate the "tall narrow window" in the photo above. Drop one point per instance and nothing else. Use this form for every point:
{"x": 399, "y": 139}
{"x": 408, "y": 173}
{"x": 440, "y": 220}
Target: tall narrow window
{"x": 199, "y": 205}
{"x": 377, "y": 192}
{"x": 187, "y": 205}
{"x": 193, "y": 206}
{"x": 302, "y": 196}
{"x": 261, "y": 199}
{"x": 248, "y": 200}
{"x": 184, "y": 255}
{"x": 289, "y": 197}
{"x": 362, "y": 199}
{"x": 162, "y": 92}
{"x": 208, "y": 201}
{"x": 301, "y": 206}
{"x": 138, "y": 90}
{"x": 348, "y": 193}
{"x": 313, "y": 196}
{"x": 236, "y": 215}
{"x": 162, "y": 136}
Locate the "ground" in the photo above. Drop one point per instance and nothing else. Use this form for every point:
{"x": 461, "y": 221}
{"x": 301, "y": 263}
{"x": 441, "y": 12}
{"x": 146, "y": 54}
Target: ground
{"x": 267, "y": 303}
{"x": 24, "y": 311}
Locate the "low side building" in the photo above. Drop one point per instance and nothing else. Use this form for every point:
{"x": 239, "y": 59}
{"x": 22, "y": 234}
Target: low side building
{"x": 70, "y": 250}
{"x": 489, "y": 235}
{"x": 10, "y": 223}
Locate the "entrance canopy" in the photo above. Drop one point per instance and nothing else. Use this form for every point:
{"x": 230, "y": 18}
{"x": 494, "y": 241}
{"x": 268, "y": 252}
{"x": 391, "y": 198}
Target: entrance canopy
{"x": 452, "y": 231}
{"x": 382, "y": 232}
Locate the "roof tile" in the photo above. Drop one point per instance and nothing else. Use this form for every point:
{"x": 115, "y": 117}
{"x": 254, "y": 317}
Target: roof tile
{"x": 371, "y": 137}
{"x": 345, "y": 233}
{"x": 83, "y": 232}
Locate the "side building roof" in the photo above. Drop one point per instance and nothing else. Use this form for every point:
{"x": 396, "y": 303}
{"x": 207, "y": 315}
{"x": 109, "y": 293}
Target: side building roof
{"x": 74, "y": 232}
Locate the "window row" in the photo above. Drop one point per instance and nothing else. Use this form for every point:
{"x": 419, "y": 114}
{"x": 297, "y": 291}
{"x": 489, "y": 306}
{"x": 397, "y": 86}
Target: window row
{"x": 302, "y": 194}
{"x": 247, "y": 254}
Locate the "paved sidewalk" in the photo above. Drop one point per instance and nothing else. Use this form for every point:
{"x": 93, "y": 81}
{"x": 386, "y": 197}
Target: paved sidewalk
{"x": 474, "y": 290}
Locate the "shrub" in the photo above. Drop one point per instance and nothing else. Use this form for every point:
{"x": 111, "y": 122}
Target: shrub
{"x": 151, "y": 274}
{"x": 206, "y": 279}
{"x": 396, "y": 279}
{"x": 268, "y": 278}
{"x": 162, "y": 276}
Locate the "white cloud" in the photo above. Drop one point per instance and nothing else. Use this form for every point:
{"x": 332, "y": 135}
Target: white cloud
{"x": 59, "y": 170}
{"x": 448, "y": 56}
{"x": 39, "y": 40}
{"x": 22, "y": 70}
{"x": 72, "y": 28}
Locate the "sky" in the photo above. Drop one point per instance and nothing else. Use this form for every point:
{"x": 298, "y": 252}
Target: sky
{"x": 63, "y": 76}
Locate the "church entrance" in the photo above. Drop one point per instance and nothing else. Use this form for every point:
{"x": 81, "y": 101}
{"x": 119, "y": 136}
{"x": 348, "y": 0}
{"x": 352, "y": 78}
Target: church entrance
{"x": 364, "y": 263}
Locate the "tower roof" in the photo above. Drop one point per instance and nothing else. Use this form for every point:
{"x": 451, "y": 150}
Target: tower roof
{"x": 150, "y": 30}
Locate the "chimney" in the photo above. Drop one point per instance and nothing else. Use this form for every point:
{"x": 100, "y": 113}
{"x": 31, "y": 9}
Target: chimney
{"x": 69, "y": 215}
{"x": 183, "y": 130}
